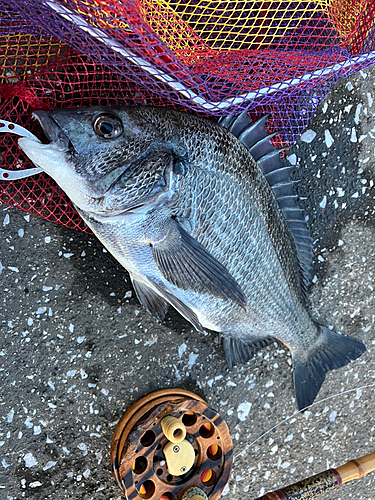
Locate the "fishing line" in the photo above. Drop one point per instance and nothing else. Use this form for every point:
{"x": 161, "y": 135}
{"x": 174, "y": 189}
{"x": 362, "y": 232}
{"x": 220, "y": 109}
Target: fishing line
{"x": 243, "y": 452}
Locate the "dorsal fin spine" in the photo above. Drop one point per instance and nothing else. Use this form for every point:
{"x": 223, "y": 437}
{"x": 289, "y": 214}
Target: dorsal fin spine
{"x": 255, "y": 137}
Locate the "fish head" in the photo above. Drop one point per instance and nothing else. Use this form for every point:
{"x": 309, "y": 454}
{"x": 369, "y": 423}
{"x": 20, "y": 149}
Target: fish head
{"x": 105, "y": 159}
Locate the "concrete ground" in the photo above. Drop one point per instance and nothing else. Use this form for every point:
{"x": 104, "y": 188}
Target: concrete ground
{"x": 77, "y": 349}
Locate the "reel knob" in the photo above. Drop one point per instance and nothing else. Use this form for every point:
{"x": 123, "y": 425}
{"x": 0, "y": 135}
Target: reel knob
{"x": 143, "y": 455}
{"x": 174, "y": 430}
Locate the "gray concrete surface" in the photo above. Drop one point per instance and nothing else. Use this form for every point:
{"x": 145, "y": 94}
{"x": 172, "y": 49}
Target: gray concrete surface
{"x": 77, "y": 349}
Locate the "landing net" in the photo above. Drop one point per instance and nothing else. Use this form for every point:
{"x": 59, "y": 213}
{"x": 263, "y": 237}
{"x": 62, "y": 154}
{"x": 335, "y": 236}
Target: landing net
{"x": 207, "y": 57}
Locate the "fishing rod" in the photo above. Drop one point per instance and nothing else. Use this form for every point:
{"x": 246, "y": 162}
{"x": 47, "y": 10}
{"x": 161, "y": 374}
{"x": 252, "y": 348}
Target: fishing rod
{"x": 328, "y": 480}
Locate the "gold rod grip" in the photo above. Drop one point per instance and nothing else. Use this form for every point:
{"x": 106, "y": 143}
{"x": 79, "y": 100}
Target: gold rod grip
{"x": 173, "y": 429}
{"x": 355, "y": 469}
{"x": 312, "y": 487}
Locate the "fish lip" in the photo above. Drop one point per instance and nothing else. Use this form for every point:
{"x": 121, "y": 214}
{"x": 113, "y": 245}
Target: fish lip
{"x": 52, "y": 130}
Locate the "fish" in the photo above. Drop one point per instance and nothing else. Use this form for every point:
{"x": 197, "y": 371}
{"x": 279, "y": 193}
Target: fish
{"x": 203, "y": 216}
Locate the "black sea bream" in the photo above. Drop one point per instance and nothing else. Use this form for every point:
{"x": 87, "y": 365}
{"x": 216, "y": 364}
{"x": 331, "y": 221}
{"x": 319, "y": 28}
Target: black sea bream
{"x": 199, "y": 224}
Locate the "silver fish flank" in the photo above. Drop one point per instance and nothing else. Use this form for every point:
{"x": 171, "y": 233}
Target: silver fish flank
{"x": 183, "y": 205}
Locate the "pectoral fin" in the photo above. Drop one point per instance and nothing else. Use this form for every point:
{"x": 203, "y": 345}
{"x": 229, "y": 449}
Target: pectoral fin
{"x": 150, "y": 300}
{"x": 186, "y": 264}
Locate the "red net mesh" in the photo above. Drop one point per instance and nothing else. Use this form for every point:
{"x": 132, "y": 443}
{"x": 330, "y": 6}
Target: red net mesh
{"x": 213, "y": 58}
{"x": 59, "y": 77}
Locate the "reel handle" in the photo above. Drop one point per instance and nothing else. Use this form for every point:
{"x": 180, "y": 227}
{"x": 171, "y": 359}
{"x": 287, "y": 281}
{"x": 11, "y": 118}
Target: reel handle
{"x": 174, "y": 430}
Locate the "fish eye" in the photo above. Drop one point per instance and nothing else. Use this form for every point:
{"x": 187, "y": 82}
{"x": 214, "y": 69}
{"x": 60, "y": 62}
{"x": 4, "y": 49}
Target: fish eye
{"x": 108, "y": 126}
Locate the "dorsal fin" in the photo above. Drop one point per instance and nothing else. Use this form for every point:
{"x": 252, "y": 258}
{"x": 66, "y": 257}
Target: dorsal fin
{"x": 254, "y": 136}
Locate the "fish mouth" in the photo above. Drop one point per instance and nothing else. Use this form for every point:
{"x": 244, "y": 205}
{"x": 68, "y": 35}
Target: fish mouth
{"x": 52, "y": 131}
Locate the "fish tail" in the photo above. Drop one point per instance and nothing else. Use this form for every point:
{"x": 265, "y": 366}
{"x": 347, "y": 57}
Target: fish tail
{"x": 334, "y": 351}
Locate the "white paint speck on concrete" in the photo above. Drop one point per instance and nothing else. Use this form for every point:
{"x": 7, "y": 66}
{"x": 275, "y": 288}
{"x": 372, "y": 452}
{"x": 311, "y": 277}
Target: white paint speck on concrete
{"x": 30, "y": 460}
{"x": 49, "y": 465}
{"x": 181, "y": 350}
{"x": 308, "y": 136}
{"x": 35, "y": 484}
{"x": 333, "y": 416}
{"x": 83, "y": 448}
{"x": 243, "y": 410}
{"x": 357, "y": 113}
{"x": 177, "y": 373}
{"x": 292, "y": 159}
{"x": 225, "y": 490}
{"x": 28, "y": 423}
{"x": 353, "y": 136}
{"x": 192, "y": 359}
{"x": 328, "y": 138}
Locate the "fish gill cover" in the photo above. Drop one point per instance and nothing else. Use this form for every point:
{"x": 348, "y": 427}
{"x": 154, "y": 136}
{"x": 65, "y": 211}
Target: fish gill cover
{"x": 212, "y": 58}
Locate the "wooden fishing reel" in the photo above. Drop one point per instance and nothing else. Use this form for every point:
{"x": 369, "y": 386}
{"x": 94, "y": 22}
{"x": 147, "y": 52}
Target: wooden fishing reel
{"x": 170, "y": 445}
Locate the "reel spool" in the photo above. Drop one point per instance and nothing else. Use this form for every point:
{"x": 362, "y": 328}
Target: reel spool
{"x": 150, "y": 453}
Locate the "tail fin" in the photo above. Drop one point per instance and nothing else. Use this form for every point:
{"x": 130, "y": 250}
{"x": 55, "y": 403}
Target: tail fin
{"x": 334, "y": 352}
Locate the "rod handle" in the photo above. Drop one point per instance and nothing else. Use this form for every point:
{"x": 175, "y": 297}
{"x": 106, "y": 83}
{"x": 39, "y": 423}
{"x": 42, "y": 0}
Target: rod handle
{"x": 355, "y": 469}
{"x": 312, "y": 487}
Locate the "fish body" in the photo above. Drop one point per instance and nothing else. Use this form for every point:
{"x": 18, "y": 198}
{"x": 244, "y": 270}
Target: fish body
{"x": 183, "y": 205}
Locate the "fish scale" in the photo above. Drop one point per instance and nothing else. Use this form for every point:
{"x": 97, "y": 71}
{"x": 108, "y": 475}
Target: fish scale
{"x": 240, "y": 209}
{"x": 183, "y": 205}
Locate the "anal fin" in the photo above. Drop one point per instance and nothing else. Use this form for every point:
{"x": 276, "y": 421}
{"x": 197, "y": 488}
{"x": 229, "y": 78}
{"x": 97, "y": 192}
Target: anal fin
{"x": 238, "y": 351}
